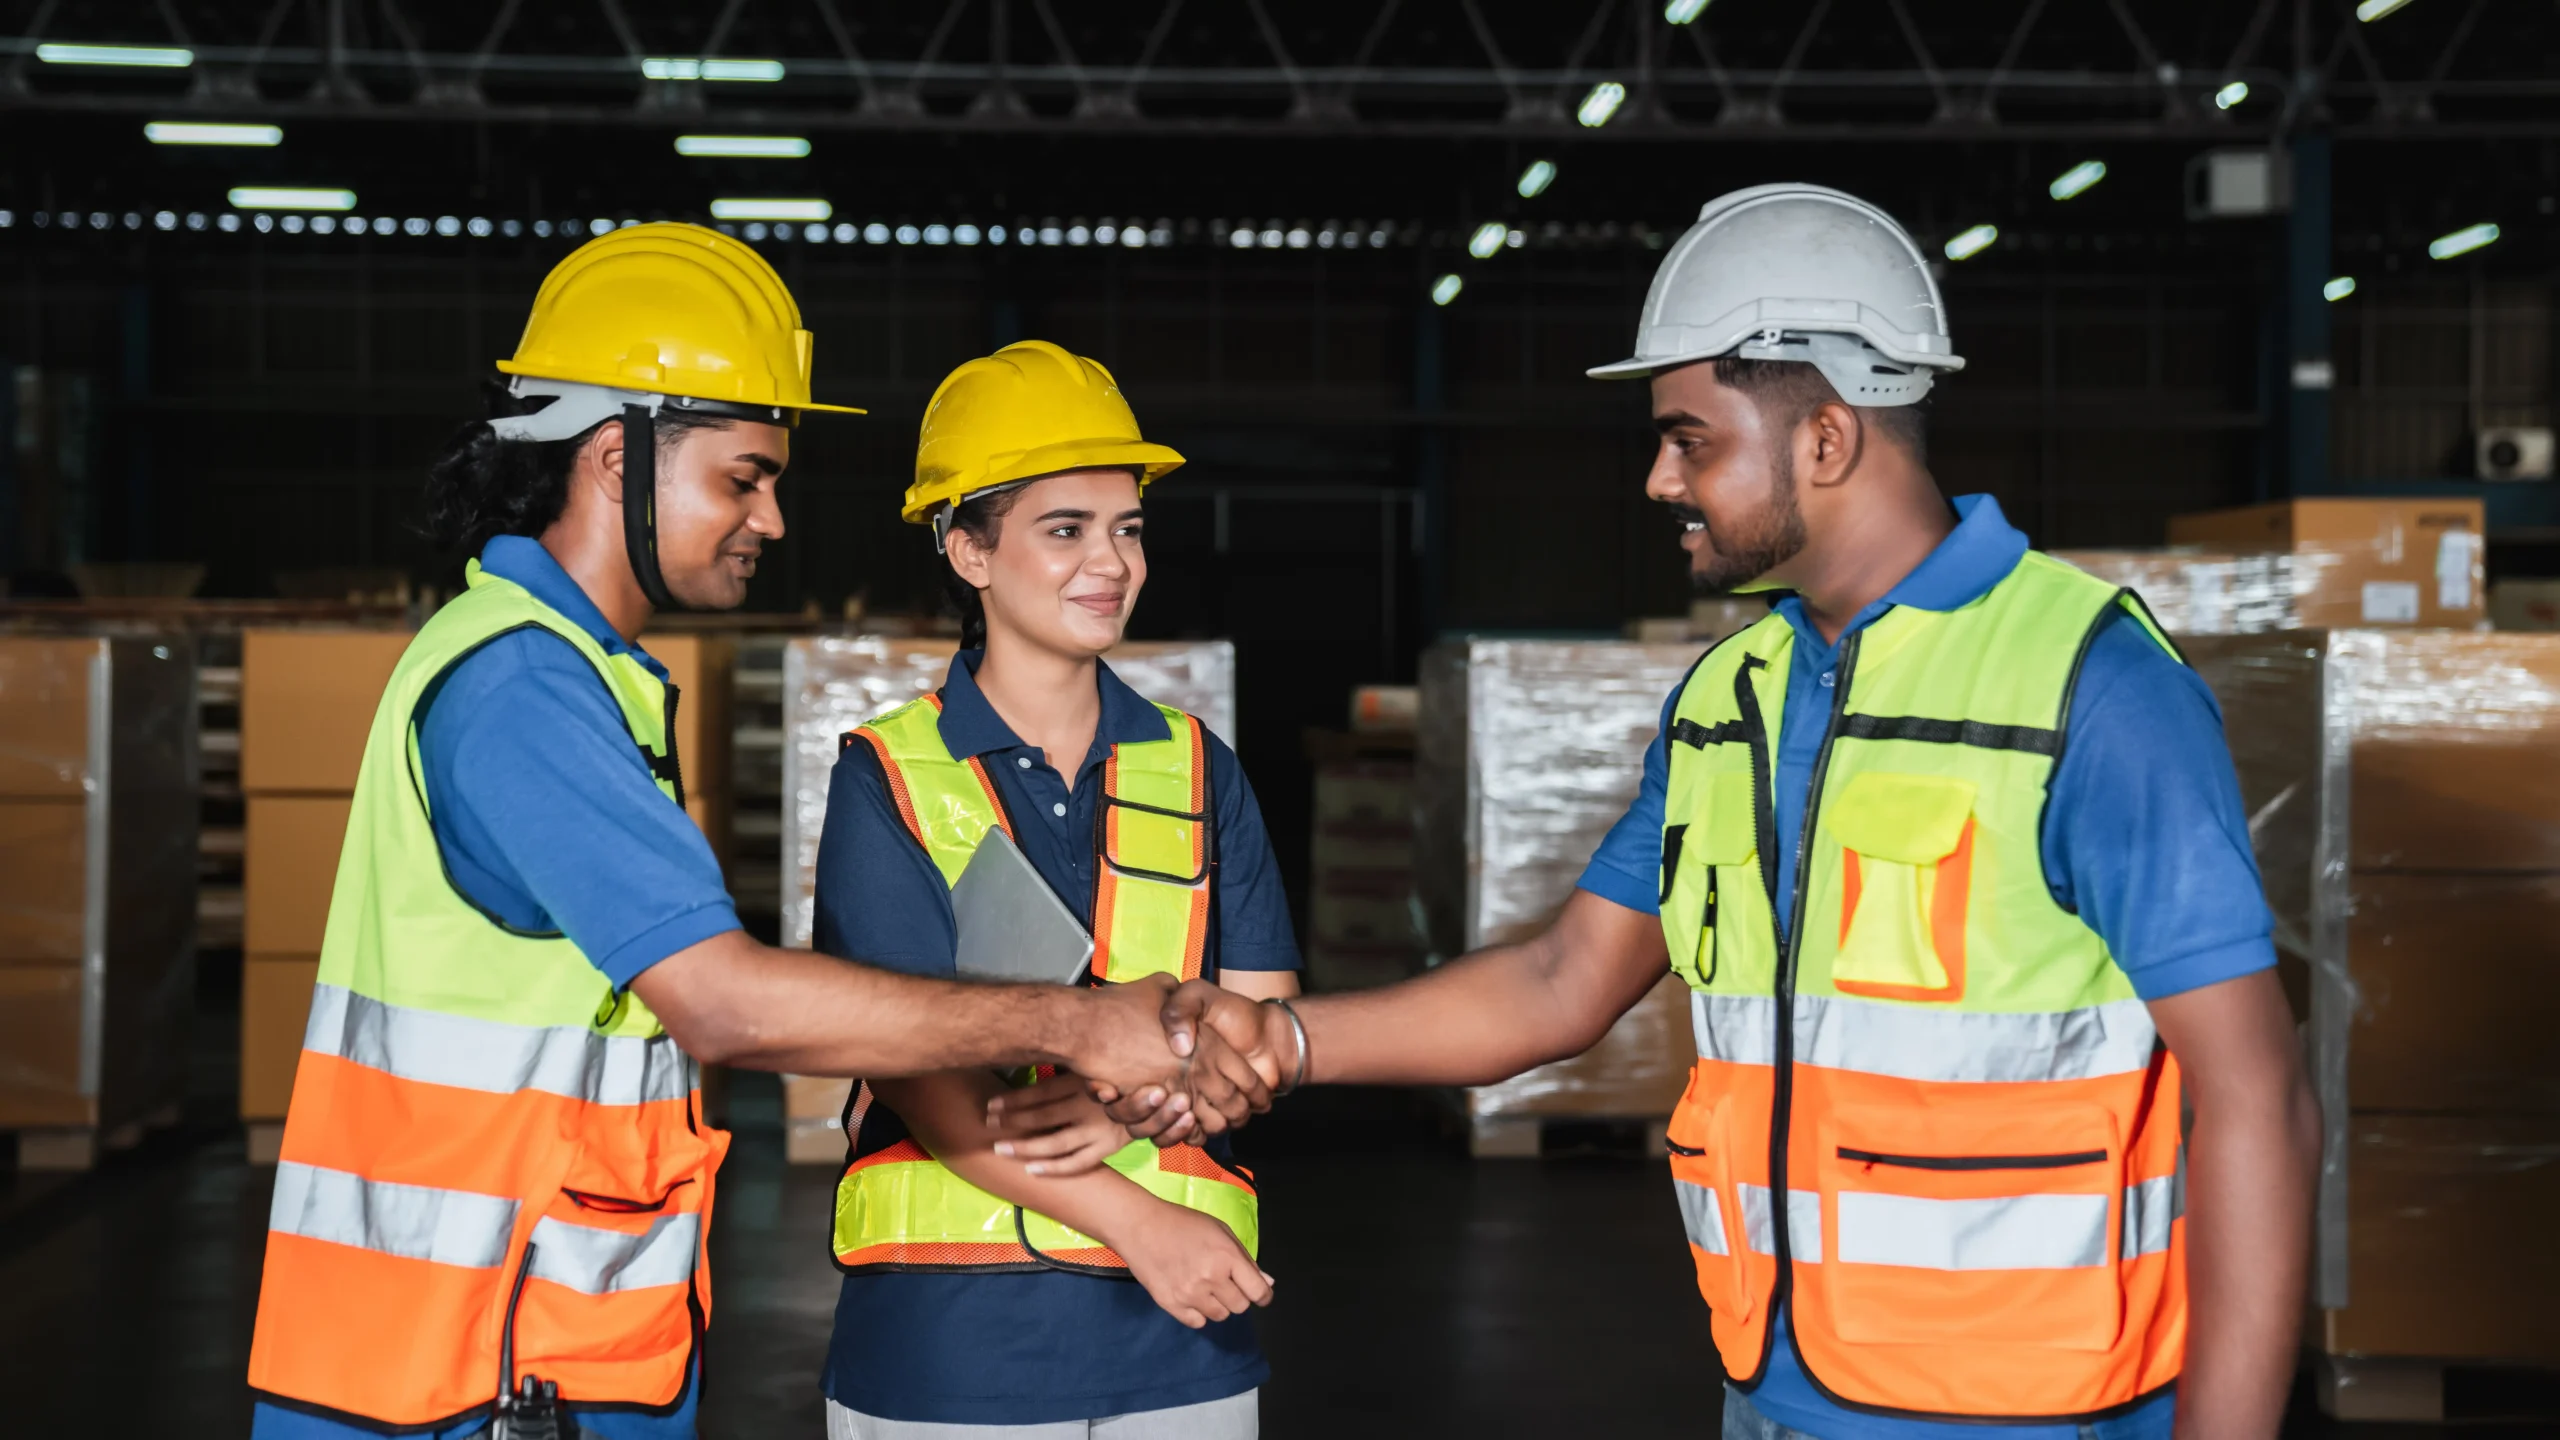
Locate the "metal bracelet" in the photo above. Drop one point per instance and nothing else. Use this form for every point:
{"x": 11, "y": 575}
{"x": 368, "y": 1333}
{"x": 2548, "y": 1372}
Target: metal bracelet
{"x": 1300, "y": 1027}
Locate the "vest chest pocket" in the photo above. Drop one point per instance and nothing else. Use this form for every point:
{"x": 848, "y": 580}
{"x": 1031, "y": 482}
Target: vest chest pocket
{"x": 1706, "y": 870}
{"x": 1906, "y": 885}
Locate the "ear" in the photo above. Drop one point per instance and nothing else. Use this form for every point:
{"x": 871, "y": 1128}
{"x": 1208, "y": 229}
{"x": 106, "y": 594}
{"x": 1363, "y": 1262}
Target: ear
{"x": 603, "y": 458}
{"x": 1830, "y": 442}
{"x": 969, "y": 559}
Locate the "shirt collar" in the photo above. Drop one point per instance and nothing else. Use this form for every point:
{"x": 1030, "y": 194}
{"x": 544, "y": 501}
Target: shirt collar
{"x": 971, "y": 726}
{"x": 1976, "y": 555}
{"x": 522, "y": 560}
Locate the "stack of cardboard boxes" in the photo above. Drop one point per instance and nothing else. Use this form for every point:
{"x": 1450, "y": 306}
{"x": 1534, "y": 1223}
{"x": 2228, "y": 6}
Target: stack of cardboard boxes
{"x": 1529, "y": 751}
{"x": 1361, "y": 927}
{"x": 307, "y": 702}
{"x": 2314, "y": 563}
{"x": 98, "y": 777}
{"x": 831, "y": 684}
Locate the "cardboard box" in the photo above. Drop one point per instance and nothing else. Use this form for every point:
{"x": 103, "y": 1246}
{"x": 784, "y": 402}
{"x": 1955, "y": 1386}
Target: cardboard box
{"x": 815, "y": 1097}
{"x": 275, "y": 1008}
{"x": 2524, "y": 605}
{"x": 44, "y": 881}
{"x": 40, "y": 1010}
{"x": 45, "y": 716}
{"x": 2458, "y": 993}
{"x": 2377, "y": 561}
{"x": 704, "y": 670}
{"x": 307, "y": 699}
{"x": 289, "y": 870}
{"x": 2449, "y": 1252}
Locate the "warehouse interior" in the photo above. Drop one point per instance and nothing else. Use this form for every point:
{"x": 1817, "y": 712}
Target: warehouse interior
{"x": 2257, "y": 300}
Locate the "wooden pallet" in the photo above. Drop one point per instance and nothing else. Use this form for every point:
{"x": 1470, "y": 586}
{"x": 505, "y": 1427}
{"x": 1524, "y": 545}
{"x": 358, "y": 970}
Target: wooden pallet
{"x": 1528, "y": 1137}
{"x": 74, "y": 1148}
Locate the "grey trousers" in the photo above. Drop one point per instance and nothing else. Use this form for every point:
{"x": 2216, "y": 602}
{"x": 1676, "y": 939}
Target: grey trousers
{"x": 1238, "y": 1417}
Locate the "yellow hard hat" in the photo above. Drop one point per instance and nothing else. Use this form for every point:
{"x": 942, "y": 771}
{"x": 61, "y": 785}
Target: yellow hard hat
{"x": 1030, "y": 409}
{"x": 669, "y": 309}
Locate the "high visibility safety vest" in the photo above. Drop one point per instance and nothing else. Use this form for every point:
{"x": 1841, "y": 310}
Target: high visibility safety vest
{"x": 495, "y": 1166}
{"x": 1935, "y": 1124}
{"x": 1155, "y": 852}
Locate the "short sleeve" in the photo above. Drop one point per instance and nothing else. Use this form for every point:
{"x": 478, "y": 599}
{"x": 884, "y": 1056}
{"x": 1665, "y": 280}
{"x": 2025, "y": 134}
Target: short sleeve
{"x": 2144, "y": 834}
{"x": 1254, "y": 932}
{"x": 548, "y": 817}
{"x": 1627, "y": 868}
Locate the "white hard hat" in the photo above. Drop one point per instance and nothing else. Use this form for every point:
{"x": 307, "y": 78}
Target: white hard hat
{"x": 1798, "y": 272}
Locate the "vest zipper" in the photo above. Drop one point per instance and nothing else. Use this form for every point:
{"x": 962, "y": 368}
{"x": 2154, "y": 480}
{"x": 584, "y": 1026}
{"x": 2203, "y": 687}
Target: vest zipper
{"x": 1972, "y": 1162}
{"x": 1783, "y": 1089}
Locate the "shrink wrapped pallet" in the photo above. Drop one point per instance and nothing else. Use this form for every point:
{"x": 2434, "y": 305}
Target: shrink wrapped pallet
{"x": 1529, "y": 751}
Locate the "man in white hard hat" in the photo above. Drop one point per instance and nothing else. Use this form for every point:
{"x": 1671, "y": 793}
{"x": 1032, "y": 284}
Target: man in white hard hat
{"x": 1950, "y": 853}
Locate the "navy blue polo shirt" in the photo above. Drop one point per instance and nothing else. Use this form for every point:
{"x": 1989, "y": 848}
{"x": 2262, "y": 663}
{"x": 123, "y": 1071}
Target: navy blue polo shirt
{"x": 549, "y": 819}
{"x": 1043, "y": 1347}
{"x": 2144, "y": 837}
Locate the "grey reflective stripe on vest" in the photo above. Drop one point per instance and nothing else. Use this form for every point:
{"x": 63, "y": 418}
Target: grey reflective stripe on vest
{"x": 1804, "y": 1223}
{"x": 599, "y": 1262}
{"x": 414, "y": 1222}
{"x": 1701, "y": 1217}
{"x": 2151, "y": 1205}
{"x": 1908, "y": 1043}
{"x": 490, "y": 1055}
{"x": 2011, "y": 1232}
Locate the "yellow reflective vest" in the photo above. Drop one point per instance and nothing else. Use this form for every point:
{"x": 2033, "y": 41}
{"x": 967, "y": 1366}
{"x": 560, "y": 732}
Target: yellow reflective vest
{"x": 897, "y": 1208}
{"x": 1934, "y": 1124}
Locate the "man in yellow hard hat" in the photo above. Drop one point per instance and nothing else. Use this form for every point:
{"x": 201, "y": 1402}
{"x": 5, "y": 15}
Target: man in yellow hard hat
{"x": 491, "y": 1209}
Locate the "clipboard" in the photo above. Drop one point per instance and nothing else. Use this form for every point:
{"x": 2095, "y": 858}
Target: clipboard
{"x": 1012, "y": 925}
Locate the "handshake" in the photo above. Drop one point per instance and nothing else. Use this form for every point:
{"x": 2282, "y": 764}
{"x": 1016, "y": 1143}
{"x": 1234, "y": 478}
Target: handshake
{"x": 1176, "y": 1062}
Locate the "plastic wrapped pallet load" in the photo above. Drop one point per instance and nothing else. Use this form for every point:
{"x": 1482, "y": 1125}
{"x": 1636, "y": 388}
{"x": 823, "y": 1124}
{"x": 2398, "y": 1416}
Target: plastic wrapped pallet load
{"x": 1529, "y": 751}
{"x": 831, "y": 684}
{"x": 2404, "y": 794}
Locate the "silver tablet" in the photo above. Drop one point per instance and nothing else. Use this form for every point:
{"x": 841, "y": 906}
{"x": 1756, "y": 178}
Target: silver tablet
{"x": 1012, "y": 925}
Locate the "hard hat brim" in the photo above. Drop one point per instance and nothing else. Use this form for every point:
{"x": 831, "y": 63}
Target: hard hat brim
{"x": 616, "y": 381}
{"x": 1152, "y": 462}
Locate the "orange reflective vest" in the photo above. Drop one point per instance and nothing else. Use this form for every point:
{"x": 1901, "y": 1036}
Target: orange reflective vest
{"x": 1155, "y": 853}
{"x": 1935, "y": 1124}
{"x": 494, "y": 1166}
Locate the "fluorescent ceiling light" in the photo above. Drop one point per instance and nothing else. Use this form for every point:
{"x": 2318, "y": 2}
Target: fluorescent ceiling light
{"x": 771, "y": 210}
{"x": 1972, "y": 242}
{"x": 2076, "y": 179}
{"x": 1535, "y": 180}
{"x": 1681, "y": 12}
{"x": 2231, "y": 94}
{"x": 1600, "y": 104}
{"x": 2339, "y": 288}
{"x": 1446, "y": 288}
{"x": 753, "y": 147}
{"x": 188, "y": 132}
{"x": 1488, "y": 239}
{"x": 2462, "y": 241}
{"x": 2371, "y": 10}
{"x": 683, "y": 67}
{"x": 153, "y": 56}
{"x": 280, "y": 197}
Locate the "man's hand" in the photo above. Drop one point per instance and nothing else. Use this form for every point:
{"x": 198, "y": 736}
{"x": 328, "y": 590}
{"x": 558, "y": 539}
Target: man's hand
{"x": 1137, "y": 1064}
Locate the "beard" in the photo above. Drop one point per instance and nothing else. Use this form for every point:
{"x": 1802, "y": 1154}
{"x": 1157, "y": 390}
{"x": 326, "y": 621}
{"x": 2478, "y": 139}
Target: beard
{"x": 1756, "y": 544}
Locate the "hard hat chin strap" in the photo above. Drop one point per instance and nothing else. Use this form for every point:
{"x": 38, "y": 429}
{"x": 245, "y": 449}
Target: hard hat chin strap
{"x": 640, "y": 505}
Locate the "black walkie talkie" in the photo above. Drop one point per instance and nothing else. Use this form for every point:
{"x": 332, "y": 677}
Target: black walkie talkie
{"x": 532, "y": 1413}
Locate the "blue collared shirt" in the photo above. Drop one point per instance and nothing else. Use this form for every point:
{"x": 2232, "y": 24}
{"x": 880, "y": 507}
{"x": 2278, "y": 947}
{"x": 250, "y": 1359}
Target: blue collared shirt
{"x": 2144, "y": 836}
{"x": 1026, "y": 1349}
{"x": 549, "y": 820}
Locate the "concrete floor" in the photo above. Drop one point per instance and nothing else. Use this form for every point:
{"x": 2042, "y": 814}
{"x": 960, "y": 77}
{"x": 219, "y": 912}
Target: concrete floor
{"x": 1484, "y": 1299}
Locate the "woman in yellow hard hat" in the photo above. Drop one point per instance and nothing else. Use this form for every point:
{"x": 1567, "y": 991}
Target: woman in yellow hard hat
{"x": 989, "y": 1282}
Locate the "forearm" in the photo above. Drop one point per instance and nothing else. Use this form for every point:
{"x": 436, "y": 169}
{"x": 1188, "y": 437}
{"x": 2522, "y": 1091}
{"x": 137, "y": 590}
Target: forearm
{"x": 946, "y": 1113}
{"x": 2252, "y": 1169}
{"x": 1492, "y": 1014}
{"x": 735, "y": 1002}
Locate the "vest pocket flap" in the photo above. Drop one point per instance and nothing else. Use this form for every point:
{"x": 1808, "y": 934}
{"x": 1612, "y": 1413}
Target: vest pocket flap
{"x": 1729, "y": 831}
{"x": 1149, "y": 842}
{"x": 1906, "y": 819}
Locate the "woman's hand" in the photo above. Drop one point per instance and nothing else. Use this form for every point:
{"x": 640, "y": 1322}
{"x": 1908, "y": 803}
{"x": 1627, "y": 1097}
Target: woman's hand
{"x": 1191, "y": 1264}
{"x": 1056, "y": 1127}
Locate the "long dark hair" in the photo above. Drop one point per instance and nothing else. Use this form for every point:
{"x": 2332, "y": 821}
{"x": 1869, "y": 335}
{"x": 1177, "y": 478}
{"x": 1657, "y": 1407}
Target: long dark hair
{"x": 480, "y": 487}
{"x": 982, "y": 516}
